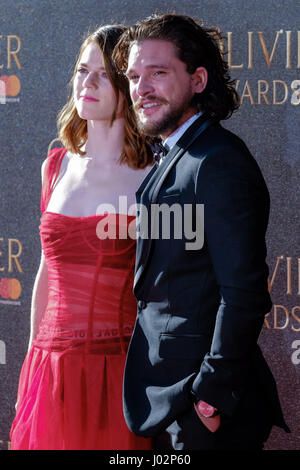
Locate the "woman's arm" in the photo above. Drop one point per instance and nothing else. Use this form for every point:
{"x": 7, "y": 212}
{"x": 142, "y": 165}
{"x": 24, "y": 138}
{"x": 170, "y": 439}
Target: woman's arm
{"x": 40, "y": 289}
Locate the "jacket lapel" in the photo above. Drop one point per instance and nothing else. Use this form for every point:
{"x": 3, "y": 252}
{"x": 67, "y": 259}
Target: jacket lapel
{"x": 148, "y": 191}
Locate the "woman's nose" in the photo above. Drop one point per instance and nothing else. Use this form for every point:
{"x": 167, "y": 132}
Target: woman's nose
{"x": 91, "y": 80}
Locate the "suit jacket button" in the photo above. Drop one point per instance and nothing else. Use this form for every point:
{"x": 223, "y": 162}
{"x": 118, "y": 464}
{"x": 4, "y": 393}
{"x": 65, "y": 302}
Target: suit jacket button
{"x": 142, "y": 304}
{"x": 235, "y": 395}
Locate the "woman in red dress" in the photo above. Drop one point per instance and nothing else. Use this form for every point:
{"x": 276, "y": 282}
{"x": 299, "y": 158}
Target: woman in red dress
{"x": 83, "y": 308}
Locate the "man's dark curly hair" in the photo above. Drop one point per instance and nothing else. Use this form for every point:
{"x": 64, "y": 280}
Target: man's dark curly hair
{"x": 197, "y": 46}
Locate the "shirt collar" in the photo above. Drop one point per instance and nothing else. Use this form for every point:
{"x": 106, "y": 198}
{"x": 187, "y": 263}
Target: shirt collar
{"x": 175, "y": 136}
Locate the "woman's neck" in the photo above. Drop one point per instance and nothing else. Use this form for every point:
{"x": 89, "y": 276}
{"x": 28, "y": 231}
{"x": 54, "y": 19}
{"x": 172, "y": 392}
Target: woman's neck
{"x": 105, "y": 141}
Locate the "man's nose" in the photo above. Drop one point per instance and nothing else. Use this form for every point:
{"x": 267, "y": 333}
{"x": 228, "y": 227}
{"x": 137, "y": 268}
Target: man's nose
{"x": 144, "y": 87}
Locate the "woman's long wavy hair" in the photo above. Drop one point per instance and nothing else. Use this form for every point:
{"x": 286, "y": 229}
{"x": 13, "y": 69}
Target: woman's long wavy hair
{"x": 197, "y": 46}
{"x": 72, "y": 129}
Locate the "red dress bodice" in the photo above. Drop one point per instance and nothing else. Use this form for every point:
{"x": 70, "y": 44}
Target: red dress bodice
{"x": 90, "y": 298}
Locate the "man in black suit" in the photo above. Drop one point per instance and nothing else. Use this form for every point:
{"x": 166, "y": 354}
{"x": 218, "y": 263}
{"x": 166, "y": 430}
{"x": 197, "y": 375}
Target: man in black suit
{"x": 194, "y": 371}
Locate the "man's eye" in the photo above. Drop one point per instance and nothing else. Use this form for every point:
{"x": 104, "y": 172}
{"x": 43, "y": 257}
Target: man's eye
{"x": 159, "y": 72}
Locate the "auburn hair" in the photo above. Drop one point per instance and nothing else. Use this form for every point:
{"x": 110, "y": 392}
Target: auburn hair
{"x": 72, "y": 129}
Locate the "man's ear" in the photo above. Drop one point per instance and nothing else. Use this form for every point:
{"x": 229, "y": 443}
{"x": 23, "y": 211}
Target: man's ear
{"x": 199, "y": 79}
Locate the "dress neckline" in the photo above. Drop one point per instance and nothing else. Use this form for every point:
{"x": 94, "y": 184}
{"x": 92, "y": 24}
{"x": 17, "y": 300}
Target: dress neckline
{"x": 86, "y": 216}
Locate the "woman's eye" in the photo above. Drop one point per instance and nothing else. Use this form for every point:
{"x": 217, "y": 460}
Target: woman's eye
{"x": 81, "y": 70}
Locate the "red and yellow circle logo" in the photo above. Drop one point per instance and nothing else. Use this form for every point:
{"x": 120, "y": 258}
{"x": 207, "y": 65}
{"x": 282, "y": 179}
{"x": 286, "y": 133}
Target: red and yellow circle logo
{"x": 10, "y": 288}
{"x": 9, "y": 85}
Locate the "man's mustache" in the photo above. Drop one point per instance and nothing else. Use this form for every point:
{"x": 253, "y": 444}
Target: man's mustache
{"x": 138, "y": 103}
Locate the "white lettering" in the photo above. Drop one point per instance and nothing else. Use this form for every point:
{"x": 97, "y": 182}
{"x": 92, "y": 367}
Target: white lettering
{"x": 2, "y": 352}
{"x": 296, "y": 354}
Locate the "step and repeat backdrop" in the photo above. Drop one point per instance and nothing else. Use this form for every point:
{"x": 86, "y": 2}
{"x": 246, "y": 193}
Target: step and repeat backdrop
{"x": 39, "y": 42}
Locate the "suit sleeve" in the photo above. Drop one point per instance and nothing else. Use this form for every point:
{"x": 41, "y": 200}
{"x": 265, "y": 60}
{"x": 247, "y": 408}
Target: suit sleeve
{"x": 236, "y": 209}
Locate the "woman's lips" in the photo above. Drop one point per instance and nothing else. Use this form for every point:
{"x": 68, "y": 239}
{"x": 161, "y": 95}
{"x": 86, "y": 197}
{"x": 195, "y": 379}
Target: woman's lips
{"x": 89, "y": 98}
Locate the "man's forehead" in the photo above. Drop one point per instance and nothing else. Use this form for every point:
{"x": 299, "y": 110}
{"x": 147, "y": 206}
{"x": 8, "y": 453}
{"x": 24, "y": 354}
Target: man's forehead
{"x": 151, "y": 50}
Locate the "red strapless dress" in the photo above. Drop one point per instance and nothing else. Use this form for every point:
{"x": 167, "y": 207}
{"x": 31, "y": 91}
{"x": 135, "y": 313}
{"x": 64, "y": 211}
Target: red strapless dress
{"x": 70, "y": 388}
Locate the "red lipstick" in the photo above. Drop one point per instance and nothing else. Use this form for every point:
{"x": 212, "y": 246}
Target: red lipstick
{"x": 89, "y": 98}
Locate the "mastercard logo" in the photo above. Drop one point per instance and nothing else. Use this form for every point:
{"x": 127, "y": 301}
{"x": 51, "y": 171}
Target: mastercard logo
{"x": 9, "y": 85}
{"x": 10, "y": 288}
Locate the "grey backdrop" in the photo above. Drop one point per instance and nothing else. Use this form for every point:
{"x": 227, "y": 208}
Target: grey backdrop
{"x": 48, "y": 36}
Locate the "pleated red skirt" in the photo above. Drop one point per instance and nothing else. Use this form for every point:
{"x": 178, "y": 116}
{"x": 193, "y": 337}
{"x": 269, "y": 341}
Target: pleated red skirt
{"x": 72, "y": 401}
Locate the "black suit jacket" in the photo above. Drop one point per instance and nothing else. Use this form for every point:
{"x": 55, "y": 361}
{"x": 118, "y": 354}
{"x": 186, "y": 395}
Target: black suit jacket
{"x": 200, "y": 311}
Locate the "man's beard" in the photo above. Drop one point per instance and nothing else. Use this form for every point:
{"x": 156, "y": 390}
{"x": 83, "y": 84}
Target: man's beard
{"x": 169, "y": 122}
